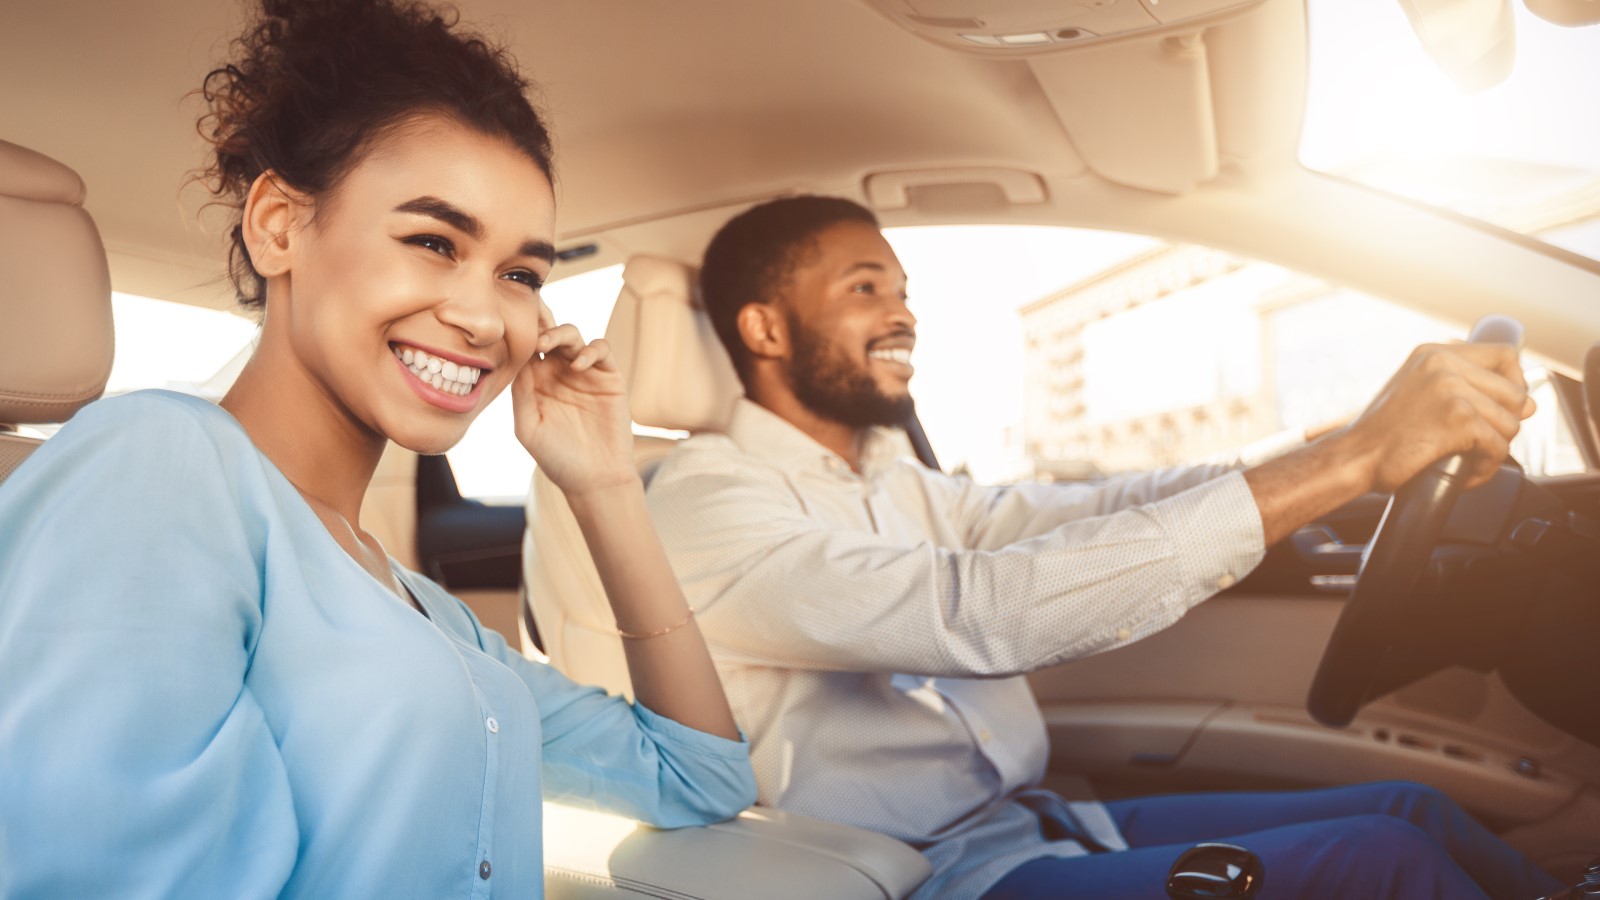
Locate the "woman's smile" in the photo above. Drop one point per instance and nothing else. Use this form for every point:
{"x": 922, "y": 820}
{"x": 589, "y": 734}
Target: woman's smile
{"x": 446, "y": 383}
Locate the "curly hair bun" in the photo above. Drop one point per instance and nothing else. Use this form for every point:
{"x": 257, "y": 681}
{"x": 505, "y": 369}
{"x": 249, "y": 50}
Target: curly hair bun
{"x": 313, "y": 84}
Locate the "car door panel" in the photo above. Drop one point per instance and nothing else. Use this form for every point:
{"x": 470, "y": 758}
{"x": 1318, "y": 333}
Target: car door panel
{"x": 472, "y": 548}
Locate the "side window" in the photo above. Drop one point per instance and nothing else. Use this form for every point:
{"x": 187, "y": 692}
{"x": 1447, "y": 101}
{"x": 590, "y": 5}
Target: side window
{"x": 488, "y": 463}
{"x": 161, "y": 344}
{"x": 1547, "y": 445}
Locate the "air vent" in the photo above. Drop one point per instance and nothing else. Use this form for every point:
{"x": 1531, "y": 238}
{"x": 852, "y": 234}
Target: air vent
{"x": 577, "y": 251}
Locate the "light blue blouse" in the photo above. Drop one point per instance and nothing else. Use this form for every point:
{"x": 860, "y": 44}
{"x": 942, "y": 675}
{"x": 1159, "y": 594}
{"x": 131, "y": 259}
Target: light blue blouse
{"x": 202, "y": 695}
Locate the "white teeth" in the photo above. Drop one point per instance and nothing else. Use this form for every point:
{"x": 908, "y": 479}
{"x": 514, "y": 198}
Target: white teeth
{"x": 898, "y": 354}
{"x": 447, "y": 376}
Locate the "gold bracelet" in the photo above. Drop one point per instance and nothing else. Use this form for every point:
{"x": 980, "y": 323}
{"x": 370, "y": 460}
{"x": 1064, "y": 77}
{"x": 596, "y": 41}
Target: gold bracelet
{"x": 658, "y": 632}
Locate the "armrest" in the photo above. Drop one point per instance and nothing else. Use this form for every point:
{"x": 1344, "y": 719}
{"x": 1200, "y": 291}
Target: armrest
{"x": 763, "y": 853}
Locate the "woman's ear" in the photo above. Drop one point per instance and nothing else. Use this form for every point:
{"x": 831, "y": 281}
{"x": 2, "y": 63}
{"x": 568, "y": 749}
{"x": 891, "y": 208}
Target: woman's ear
{"x": 763, "y": 330}
{"x": 272, "y": 214}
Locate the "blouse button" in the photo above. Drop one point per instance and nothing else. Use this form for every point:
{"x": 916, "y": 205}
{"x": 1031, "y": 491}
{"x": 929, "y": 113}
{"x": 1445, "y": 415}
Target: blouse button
{"x": 494, "y": 728}
{"x": 1226, "y": 581}
{"x": 484, "y": 870}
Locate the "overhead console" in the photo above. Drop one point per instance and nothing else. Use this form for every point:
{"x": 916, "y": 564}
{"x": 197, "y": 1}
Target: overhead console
{"x": 1031, "y": 27}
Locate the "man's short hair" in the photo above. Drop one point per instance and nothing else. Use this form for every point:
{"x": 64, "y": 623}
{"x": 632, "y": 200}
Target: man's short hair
{"x": 753, "y": 256}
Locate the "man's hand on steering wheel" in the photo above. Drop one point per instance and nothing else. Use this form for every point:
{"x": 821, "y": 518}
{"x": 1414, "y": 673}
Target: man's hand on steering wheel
{"x": 1446, "y": 399}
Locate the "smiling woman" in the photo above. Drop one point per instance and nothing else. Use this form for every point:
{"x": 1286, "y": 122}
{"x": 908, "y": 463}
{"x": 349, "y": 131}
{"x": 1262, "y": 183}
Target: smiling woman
{"x": 391, "y": 265}
{"x": 395, "y": 224}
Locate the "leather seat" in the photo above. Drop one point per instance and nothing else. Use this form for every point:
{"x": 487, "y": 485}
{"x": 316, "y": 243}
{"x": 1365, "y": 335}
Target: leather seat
{"x": 55, "y": 300}
{"x": 679, "y": 378}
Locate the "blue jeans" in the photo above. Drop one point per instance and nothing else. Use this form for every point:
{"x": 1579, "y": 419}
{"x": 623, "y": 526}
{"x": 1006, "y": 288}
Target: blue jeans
{"x": 1384, "y": 841}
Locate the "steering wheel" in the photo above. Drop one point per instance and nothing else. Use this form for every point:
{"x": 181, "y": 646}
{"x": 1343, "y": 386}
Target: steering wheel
{"x": 1393, "y": 563}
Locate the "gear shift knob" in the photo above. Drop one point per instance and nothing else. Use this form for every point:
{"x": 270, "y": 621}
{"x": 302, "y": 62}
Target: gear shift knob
{"x": 1215, "y": 872}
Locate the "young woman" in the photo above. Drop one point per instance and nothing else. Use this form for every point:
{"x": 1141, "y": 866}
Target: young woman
{"x": 213, "y": 683}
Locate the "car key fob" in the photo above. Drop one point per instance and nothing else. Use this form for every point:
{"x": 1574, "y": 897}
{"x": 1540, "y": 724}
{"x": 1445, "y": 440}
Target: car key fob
{"x": 1215, "y": 871}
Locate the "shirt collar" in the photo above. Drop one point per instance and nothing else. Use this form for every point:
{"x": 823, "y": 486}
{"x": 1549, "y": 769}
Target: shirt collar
{"x": 762, "y": 432}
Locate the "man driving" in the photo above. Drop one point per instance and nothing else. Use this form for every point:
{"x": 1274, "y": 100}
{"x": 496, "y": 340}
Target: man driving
{"x": 872, "y": 619}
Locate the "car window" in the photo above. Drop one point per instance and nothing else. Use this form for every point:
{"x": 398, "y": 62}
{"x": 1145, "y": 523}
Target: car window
{"x": 1070, "y": 354}
{"x": 1546, "y": 444}
{"x": 489, "y": 464}
{"x": 161, "y": 344}
{"x": 1523, "y": 154}
{"x": 1065, "y": 353}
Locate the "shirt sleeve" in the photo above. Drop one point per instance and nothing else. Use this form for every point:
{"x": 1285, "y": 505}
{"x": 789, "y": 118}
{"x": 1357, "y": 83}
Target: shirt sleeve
{"x": 775, "y": 586}
{"x": 602, "y": 752}
{"x": 992, "y": 517}
{"x": 133, "y": 762}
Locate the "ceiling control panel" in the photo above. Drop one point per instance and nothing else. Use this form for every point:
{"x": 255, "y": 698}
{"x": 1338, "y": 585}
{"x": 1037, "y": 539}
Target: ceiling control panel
{"x": 1029, "y": 27}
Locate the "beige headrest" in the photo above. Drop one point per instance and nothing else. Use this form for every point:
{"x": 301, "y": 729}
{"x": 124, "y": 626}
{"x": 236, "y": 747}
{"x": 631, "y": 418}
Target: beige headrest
{"x": 55, "y": 292}
{"x": 679, "y": 376}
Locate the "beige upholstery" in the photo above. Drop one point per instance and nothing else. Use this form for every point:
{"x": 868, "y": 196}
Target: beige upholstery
{"x": 765, "y": 853}
{"x": 678, "y": 378}
{"x": 575, "y": 623}
{"x": 55, "y": 299}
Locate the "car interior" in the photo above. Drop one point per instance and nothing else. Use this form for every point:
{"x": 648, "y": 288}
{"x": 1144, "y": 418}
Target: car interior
{"x": 1179, "y": 120}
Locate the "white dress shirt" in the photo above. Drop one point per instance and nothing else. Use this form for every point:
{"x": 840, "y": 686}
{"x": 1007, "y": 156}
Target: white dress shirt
{"x": 872, "y": 630}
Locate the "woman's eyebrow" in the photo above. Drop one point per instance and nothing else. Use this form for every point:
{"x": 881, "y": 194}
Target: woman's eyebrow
{"x": 446, "y": 212}
{"x": 468, "y": 224}
{"x": 539, "y": 250}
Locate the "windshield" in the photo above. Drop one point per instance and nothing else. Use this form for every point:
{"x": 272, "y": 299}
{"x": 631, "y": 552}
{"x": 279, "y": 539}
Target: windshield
{"x": 1523, "y": 154}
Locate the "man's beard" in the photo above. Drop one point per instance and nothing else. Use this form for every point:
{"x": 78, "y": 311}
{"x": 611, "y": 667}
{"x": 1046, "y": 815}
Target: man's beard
{"x": 825, "y": 382}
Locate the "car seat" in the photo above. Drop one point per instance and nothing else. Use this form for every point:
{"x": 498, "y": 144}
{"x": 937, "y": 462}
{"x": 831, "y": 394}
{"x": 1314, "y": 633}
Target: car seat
{"x": 679, "y": 378}
{"x": 55, "y": 300}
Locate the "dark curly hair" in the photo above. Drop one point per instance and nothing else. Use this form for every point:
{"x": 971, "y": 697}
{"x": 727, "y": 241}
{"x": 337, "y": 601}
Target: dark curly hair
{"x": 753, "y": 256}
{"x": 313, "y": 85}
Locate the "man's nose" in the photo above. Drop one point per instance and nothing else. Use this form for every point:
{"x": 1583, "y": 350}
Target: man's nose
{"x": 902, "y": 315}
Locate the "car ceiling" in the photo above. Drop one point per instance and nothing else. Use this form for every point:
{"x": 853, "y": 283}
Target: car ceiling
{"x": 669, "y": 115}
{"x": 657, "y": 107}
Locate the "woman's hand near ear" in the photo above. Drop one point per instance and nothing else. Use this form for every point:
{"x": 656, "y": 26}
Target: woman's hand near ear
{"x": 572, "y": 416}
